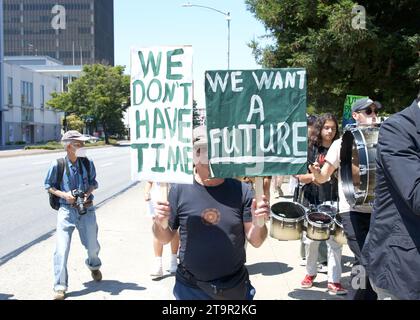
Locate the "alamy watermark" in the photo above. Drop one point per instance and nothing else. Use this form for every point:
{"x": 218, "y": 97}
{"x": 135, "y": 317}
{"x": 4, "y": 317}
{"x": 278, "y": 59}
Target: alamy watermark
{"x": 359, "y": 279}
{"x": 59, "y": 20}
{"x": 359, "y": 20}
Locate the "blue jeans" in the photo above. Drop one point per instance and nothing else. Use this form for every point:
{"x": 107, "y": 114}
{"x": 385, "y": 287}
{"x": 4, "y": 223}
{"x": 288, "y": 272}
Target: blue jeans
{"x": 183, "y": 292}
{"x": 67, "y": 219}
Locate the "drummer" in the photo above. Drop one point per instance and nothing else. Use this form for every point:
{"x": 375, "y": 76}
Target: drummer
{"x": 355, "y": 221}
{"x": 325, "y": 133}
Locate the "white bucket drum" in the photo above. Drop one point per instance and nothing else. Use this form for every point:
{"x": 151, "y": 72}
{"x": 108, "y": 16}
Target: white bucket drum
{"x": 318, "y": 225}
{"x": 338, "y": 231}
{"x": 287, "y": 220}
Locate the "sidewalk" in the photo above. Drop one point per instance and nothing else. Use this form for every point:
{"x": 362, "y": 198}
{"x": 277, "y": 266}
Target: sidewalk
{"x": 4, "y": 153}
{"x": 126, "y": 251}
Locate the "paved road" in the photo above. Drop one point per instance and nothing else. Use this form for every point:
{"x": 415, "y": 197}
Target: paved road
{"x": 25, "y": 214}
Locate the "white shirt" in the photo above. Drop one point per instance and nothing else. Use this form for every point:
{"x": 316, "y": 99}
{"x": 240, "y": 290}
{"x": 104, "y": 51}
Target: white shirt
{"x": 333, "y": 158}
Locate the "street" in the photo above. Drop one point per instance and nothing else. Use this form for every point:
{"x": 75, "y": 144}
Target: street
{"x": 25, "y": 213}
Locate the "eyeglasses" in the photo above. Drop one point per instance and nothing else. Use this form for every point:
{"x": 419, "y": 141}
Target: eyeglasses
{"x": 369, "y": 111}
{"x": 77, "y": 144}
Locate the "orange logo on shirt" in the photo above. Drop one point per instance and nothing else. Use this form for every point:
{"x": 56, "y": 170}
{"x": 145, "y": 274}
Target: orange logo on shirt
{"x": 210, "y": 216}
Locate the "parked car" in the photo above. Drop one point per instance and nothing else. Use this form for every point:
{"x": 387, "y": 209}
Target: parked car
{"x": 92, "y": 139}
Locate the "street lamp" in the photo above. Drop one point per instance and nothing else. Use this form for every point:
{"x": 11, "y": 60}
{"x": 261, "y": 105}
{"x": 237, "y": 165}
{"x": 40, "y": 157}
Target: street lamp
{"x": 228, "y": 18}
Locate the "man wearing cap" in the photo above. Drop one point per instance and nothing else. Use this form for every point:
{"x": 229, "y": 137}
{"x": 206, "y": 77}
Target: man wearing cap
{"x": 391, "y": 252}
{"x": 214, "y": 217}
{"x": 355, "y": 221}
{"x": 75, "y": 177}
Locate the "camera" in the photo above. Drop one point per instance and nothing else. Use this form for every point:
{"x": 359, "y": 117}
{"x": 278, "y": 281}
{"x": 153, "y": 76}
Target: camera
{"x": 80, "y": 201}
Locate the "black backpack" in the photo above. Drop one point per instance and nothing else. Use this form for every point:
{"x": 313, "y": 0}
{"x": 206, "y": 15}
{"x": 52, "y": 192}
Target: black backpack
{"x": 54, "y": 200}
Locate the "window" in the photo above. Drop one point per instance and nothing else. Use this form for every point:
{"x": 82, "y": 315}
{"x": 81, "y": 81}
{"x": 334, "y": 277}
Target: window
{"x": 65, "y": 84}
{"x": 42, "y": 96}
{"x": 10, "y": 91}
{"x": 27, "y": 93}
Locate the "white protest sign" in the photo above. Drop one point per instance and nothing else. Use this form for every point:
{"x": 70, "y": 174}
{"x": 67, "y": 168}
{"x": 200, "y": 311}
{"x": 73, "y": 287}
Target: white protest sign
{"x": 161, "y": 114}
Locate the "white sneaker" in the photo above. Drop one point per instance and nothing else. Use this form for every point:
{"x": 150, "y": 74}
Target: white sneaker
{"x": 157, "y": 270}
{"x": 302, "y": 262}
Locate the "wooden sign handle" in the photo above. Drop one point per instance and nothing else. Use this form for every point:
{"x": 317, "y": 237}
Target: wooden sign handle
{"x": 259, "y": 192}
{"x": 164, "y": 189}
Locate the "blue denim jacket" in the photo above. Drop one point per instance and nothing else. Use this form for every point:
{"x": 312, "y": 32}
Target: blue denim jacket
{"x": 73, "y": 179}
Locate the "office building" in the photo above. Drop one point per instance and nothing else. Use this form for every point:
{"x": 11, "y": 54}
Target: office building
{"x": 75, "y": 32}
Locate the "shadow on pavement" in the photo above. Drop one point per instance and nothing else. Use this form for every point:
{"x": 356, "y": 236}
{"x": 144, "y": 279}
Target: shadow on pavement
{"x": 268, "y": 268}
{"x": 114, "y": 287}
{"x": 4, "y": 296}
{"x": 25, "y": 247}
{"x": 308, "y": 294}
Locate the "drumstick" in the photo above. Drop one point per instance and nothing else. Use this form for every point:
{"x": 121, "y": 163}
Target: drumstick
{"x": 259, "y": 191}
{"x": 164, "y": 198}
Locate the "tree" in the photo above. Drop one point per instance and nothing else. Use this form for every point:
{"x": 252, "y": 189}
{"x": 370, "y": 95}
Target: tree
{"x": 74, "y": 123}
{"x": 381, "y": 61}
{"x": 101, "y": 94}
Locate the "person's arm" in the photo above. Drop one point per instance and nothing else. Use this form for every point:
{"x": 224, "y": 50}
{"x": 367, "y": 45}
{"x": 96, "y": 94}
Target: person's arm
{"x": 305, "y": 178}
{"x": 400, "y": 161}
{"x": 162, "y": 212}
{"x": 255, "y": 234}
{"x": 50, "y": 182}
{"x": 93, "y": 184}
{"x": 322, "y": 175}
{"x": 64, "y": 195}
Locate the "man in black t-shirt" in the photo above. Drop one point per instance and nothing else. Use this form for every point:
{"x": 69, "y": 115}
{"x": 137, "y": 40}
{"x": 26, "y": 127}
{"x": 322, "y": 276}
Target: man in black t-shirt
{"x": 214, "y": 218}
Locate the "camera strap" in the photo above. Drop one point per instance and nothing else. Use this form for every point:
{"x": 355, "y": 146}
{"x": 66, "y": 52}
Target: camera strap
{"x": 76, "y": 184}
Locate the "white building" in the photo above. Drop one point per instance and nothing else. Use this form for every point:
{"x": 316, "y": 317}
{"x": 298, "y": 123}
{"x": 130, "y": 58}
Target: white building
{"x": 28, "y": 84}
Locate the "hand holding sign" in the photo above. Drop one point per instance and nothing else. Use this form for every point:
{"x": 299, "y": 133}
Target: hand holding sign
{"x": 162, "y": 212}
{"x": 260, "y": 211}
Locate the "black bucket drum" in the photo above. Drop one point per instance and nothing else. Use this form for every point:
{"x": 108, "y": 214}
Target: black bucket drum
{"x": 330, "y": 209}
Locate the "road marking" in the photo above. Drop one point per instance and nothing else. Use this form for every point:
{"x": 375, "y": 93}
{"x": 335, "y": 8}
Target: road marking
{"x": 107, "y": 164}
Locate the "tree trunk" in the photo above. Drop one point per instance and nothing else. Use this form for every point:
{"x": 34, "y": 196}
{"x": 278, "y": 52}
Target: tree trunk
{"x": 105, "y": 132}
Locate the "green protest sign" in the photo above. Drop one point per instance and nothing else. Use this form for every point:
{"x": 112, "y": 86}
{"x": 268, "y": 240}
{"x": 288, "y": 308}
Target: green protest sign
{"x": 161, "y": 114}
{"x": 347, "y": 117}
{"x": 256, "y": 122}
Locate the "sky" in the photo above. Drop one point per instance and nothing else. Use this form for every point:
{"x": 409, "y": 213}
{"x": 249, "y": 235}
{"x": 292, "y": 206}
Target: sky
{"x": 146, "y": 23}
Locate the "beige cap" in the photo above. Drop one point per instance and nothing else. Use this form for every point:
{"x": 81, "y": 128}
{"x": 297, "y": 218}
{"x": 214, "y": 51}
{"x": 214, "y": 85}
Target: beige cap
{"x": 200, "y": 136}
{"x": 74, "y": 135}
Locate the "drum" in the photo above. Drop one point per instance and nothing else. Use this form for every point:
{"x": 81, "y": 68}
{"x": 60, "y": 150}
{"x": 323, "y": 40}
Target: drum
{"x": 318, "y": 225}
{"x": 329, "y": 209}
{"x": 358, "y": 167}
{"x": 287, "y": 220}
{"x": 338, "y": 231}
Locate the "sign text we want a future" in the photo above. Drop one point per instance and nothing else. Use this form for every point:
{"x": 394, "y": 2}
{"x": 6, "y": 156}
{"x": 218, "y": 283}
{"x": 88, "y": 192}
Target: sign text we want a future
{"x": 256, "y": 118}
{"x": 162, "y": 110}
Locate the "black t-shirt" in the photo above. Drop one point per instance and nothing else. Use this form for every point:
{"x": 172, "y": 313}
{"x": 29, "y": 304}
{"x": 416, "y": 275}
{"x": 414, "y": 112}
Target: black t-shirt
{"x": 328, "y": 191}
{"x": 211, "y": 226}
